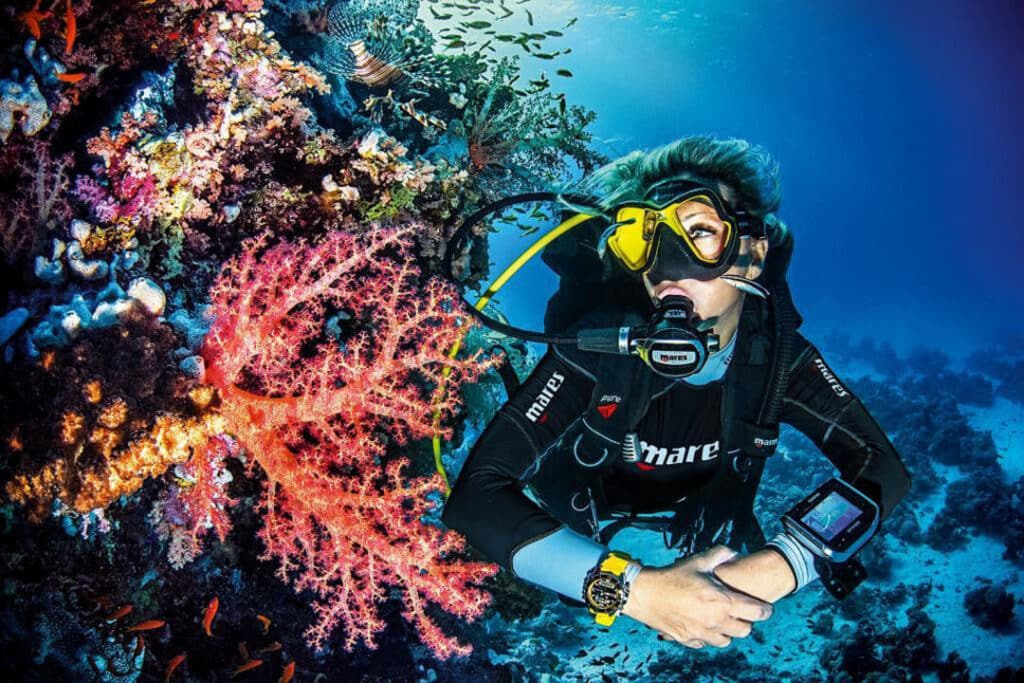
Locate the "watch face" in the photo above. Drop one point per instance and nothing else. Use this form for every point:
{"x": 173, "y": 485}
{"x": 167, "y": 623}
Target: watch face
{"x": 604, "y": 593}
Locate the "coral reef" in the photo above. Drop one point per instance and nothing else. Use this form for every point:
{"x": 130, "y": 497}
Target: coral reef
{"x": 990, "y": 606}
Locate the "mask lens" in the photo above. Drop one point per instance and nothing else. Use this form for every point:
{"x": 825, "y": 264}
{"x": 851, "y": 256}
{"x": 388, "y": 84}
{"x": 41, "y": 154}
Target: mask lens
{"x": 698, "y": 220}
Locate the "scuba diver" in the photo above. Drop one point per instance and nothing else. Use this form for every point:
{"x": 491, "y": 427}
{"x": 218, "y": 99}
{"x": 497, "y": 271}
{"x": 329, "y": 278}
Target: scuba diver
{"x": 663, "y": 412}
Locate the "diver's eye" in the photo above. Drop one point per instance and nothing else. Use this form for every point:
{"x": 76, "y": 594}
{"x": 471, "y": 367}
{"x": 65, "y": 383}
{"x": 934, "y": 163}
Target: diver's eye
{"x": 700, "y": 231}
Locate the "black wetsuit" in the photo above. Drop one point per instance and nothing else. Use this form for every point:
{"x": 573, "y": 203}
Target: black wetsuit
{"x": 680, "y": 436}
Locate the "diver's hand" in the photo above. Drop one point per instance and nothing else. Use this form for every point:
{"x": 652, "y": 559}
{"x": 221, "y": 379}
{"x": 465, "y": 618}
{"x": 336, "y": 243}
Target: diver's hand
{"x": 685, "y": 602}
{"x": 764, "y": 574}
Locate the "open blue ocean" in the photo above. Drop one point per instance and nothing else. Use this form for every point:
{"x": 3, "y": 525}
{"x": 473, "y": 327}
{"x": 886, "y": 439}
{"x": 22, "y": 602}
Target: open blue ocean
{"x": 237, "y": 380}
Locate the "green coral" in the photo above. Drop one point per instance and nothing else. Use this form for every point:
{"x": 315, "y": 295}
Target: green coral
{"x": 399, "y": 196}
{"x": 527, "y": 139}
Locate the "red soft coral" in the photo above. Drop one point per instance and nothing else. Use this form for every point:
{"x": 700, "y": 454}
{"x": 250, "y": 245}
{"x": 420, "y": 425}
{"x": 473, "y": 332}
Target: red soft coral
{"x": 316, "y": 414}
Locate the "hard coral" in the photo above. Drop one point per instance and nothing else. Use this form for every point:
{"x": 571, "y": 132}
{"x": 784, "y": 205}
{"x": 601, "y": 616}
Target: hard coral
{"x": 23, "y": 105}
{"x": 117, "y": 412}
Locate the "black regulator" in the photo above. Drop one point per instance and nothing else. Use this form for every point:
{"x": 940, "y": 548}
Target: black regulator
{"x": 670, "y": 343}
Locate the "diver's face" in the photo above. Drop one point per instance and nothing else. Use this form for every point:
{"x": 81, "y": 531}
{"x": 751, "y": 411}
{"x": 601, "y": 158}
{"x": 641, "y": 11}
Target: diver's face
{"x": 716, "y": 298}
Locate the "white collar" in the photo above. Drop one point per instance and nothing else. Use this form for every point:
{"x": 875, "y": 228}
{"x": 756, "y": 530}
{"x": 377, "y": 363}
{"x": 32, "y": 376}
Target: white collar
{"x": 715, "y": 367}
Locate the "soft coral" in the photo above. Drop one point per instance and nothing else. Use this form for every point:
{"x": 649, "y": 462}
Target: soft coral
{"x": 316, "y": 414}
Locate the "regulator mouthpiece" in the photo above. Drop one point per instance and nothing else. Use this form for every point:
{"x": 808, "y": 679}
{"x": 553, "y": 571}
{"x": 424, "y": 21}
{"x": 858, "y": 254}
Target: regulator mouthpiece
{"x": 670, "y": 344}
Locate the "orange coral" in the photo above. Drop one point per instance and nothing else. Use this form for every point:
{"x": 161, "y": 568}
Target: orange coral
{"x": 105, "y": 441}
{"x": 71, "y": 427}
{"x": 169, "y": 442}
{"x": 113, "y": 416}
{"x": 93, "y": 391}
{"x": 14, "y": 442}
{"x": 45, "y": 485}
{"x": 201, "y": 396}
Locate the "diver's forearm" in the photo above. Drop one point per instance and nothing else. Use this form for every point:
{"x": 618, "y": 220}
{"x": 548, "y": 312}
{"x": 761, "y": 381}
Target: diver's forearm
{"x": 764, "y": 574}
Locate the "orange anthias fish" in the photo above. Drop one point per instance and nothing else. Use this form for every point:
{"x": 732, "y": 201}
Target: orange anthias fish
{"x": 147, "y": 625}
{"x": 32, "y": 17}
{"x": 71, "y": 77}
{"x": 273, "y": 647}
{"x": 248, "y": 666}
{"x": 122, "y": 611}
{"x": 265, "y": 621}
{"x": 70, "y": 28}
{"x": 288, "y": 673}
{"x": 172, "y": 665}
{"x": 208, "y": 615}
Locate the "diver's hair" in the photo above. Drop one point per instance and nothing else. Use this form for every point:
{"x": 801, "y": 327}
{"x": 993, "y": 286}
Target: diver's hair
{"x": 749, "y": 174}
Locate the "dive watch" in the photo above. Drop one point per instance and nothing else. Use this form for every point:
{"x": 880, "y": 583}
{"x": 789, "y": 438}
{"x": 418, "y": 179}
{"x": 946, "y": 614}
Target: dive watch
{"x": 834, "y": 522}
{"x": 606, "y": 587}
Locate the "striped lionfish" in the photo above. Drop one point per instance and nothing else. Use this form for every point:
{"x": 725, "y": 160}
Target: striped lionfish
{"x": 376, "y": 43}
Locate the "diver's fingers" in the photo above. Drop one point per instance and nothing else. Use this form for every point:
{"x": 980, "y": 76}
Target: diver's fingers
{"x": 716, "y": 639}
{"x": 737, "y": 628}
{"x": 749, "y": 608}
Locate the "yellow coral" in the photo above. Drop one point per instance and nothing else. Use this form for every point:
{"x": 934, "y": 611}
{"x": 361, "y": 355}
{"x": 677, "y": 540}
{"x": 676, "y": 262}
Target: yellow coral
{"x": 169, "y": 442}
{"x": 71, "y": 426}
{"x": 93, "y": 391}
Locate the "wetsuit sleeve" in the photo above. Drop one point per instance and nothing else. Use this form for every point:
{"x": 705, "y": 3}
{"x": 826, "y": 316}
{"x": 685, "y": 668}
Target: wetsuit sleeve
{"x": 821, "y": 406}
{"x": 487, "y": 504}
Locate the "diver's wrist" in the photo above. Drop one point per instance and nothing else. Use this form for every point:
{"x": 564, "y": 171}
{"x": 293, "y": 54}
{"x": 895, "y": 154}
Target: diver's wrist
{"x": 638, "y": 587}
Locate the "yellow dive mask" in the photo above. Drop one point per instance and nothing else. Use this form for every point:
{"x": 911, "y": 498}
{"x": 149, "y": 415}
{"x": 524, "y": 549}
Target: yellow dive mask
{"x": 694, "y": 234}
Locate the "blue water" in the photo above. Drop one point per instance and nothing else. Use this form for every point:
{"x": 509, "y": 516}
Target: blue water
{"x": 896, "y": 126}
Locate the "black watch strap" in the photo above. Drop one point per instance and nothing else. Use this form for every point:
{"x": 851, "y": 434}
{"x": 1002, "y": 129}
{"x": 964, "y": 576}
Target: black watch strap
{"x": 840, "y": 579}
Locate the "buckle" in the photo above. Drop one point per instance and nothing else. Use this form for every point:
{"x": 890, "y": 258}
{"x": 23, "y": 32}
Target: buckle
{"x": 651, "y": 220}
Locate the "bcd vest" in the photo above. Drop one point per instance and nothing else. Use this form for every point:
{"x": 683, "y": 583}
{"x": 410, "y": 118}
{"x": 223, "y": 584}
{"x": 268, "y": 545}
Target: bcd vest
{"x": 721, "y": 511}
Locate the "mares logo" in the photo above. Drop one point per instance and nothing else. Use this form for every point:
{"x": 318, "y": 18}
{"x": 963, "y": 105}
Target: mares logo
{"x": 536, "y": 408}
{"x": 608, "y": 404}
{"x": 830, "y": 378}
{"x": 658, "y": 456}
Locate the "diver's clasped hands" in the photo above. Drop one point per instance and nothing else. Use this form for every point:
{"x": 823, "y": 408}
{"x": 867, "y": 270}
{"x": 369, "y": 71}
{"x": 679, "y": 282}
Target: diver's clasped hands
{"x": 686, "y": 601}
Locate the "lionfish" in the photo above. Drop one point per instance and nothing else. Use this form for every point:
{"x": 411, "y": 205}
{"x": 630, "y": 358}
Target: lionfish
{"x": 374, "y": 42}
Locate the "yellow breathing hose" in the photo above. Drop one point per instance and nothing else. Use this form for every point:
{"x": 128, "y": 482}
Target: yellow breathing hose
{"x": 482, "y": 302}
